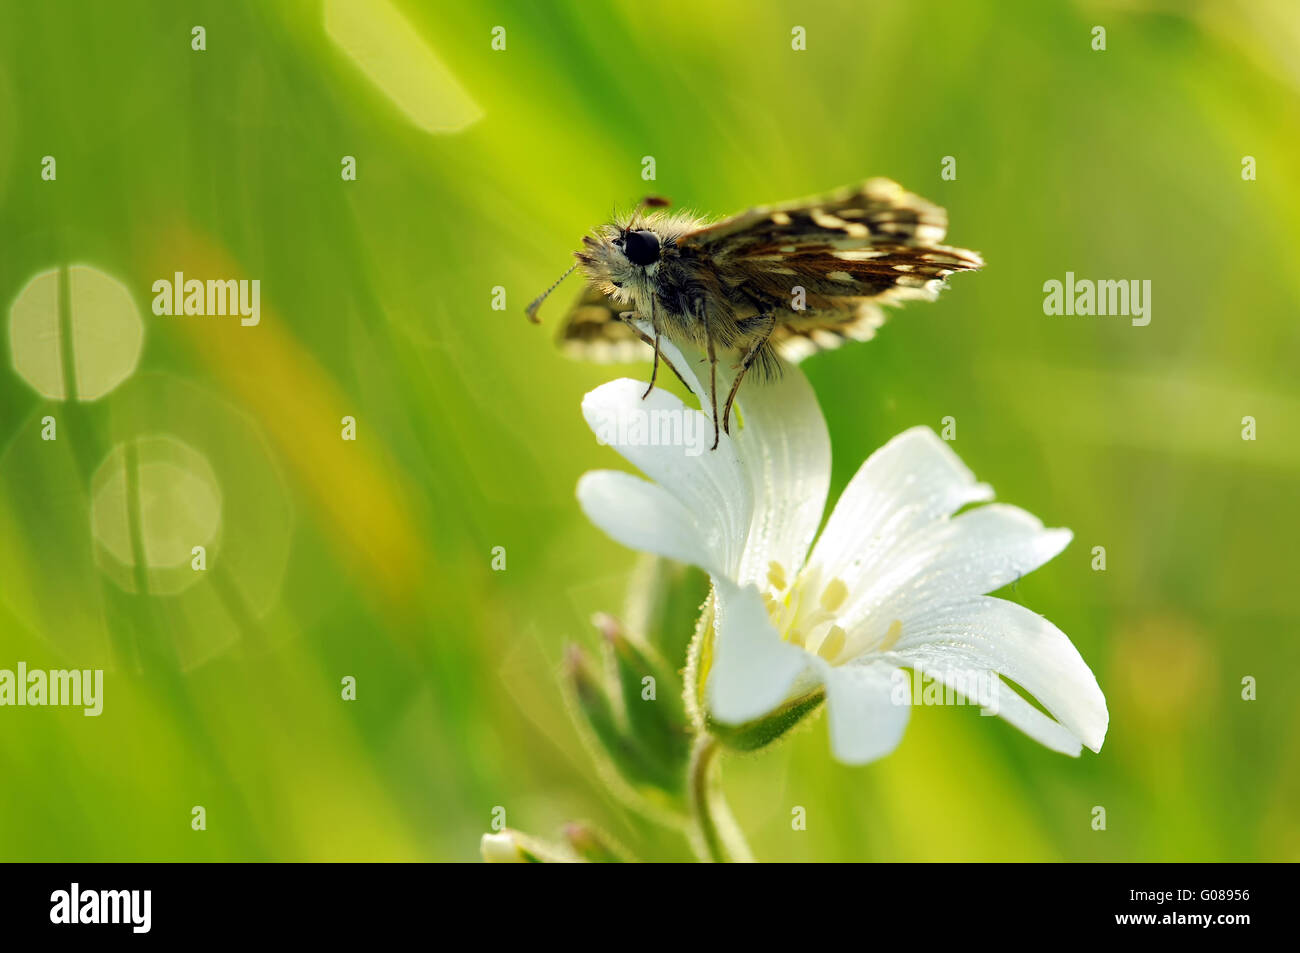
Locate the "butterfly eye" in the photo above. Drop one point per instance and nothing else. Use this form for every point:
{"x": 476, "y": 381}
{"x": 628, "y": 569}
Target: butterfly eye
{"x": 641, "y": 247}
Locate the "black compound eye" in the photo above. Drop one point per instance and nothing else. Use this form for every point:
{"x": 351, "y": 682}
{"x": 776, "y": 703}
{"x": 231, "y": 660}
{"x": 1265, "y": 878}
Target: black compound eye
{"x": 641, "y": 247}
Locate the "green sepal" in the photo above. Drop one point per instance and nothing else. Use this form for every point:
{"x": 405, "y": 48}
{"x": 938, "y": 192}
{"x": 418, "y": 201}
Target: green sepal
{"x": 756, "y": 734}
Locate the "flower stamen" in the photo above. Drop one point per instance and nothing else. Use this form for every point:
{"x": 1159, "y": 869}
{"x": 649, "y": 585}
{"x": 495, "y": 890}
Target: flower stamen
{"x": 810, "y": 625}
{"x": 834, "y": 594}
{"x": 891, "y": 636}
{"x": 833, "y": 644}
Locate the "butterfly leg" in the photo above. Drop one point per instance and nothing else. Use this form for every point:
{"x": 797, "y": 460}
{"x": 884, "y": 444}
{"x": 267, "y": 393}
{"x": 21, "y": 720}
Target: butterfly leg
{"x": 713, "y": 374}
{"x": 750, "y": 355}
{"x": 626, "y": 317}
{"x": 654, "y": 371}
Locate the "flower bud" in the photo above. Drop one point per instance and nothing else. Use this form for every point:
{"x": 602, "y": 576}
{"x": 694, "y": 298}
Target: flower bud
{"x": 501, "y": 848}
{"x": 591, "y": 845}
{"x": 652, "y": 702}
{"x": 663, "y": 603}
{"x": 510, "y": 846}
{"x": 592, "y": 700}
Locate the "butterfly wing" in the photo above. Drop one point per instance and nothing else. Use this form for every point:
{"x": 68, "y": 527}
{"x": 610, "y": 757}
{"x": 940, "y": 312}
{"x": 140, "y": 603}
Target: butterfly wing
{"x": 849, "y": 252}
{"x": 593, "y": 331}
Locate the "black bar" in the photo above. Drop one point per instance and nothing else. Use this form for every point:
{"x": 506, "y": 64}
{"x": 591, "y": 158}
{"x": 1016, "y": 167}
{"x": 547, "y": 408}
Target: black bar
{"x": 336, "y": 901}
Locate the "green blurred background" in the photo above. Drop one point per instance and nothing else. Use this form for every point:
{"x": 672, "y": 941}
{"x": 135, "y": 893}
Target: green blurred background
{"x": 372, "y": 558}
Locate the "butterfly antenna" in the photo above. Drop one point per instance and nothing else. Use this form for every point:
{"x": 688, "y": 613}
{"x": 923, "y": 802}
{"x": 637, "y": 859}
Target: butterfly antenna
{"x": 531, "y": 310}
{"x": 639, "y": 210}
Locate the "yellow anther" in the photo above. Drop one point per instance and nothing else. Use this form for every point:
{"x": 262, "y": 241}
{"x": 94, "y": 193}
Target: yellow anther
{"x": 895, "y": 630}
{"x": 776, "y": 576}
{"x": 833, "y": 644}
{"x": 795, "y": 637}
{"x": 834, "y": 594}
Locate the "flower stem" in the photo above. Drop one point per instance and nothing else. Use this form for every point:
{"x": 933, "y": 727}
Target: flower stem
{"x": 716, "y": 836}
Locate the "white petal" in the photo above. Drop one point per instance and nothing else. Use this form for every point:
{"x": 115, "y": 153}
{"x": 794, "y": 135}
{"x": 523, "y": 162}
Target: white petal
{"x": 753, "y": 668}
{"x": 1047, "y": 732}
{"x": 786, "y": 451}
{"x": 670, "y": 443}
{"x": 694, "y": 367}
{"x": 949, "y": 561}
{"x": 781, "y": 438}
{"x": 908, "y": 484}
{"x": 866, "y": 720}
{"x": 983, "y": 687}
{"x": 645, "y": 517}
{"x": 992, "y": 634}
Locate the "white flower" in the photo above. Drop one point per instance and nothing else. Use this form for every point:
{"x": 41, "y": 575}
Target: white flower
{"x": 894, "y": 581}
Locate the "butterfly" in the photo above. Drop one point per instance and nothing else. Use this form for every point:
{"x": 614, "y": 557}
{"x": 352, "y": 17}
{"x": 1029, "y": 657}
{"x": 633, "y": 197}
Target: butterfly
{"x": 775, "y": 282}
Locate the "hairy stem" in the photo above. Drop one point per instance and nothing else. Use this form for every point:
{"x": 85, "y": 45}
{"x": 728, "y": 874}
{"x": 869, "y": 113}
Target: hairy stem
{"x": 716, "y": 836}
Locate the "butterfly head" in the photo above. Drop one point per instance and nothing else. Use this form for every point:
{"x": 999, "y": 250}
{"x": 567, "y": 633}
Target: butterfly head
{"x": 622, "y": 258}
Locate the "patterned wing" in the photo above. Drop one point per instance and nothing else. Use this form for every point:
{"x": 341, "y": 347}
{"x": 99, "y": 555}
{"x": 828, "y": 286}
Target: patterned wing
{"x": 849, "y": 253}
{"x": 593, "y": 331}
